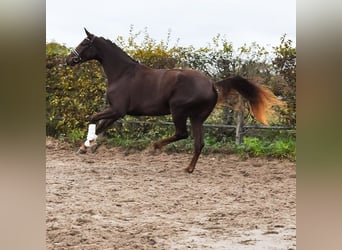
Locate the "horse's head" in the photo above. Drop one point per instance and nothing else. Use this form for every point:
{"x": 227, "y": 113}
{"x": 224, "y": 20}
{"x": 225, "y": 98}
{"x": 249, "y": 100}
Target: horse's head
{"x": 85, "y": 51}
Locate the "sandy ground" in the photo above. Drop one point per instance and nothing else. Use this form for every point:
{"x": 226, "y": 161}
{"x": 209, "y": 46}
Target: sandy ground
{"x": 115, "y": 200}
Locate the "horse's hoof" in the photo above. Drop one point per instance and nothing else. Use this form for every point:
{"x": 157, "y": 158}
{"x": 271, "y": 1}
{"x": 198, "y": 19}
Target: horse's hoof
{"x": 81, "y": 151}
{"x": 155, "y": 152}
{"x": 157, "y": 146}
{"x": 93, "y": 148}
{"x": 189, "y": 170}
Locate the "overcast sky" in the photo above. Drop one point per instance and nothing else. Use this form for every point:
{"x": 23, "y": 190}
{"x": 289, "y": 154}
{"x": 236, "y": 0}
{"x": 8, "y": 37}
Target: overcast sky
{"x": 193, "y": 22}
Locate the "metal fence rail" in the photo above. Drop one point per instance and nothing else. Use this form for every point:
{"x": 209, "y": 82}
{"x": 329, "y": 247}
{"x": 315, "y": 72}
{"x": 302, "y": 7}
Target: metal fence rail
{"x": 240, "y": 128}
{"x": 211, "y": 125}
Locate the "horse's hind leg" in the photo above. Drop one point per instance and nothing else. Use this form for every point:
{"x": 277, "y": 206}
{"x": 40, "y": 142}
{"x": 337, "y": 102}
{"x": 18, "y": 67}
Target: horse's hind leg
{"x": 181, "y": 131}
{"x": 197, "y": 130}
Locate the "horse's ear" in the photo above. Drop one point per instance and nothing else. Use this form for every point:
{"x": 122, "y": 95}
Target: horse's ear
{"x": 89, "y": 35}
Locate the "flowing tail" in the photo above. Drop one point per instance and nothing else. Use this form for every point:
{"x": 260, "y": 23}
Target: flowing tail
{"x": 260, "y": 98}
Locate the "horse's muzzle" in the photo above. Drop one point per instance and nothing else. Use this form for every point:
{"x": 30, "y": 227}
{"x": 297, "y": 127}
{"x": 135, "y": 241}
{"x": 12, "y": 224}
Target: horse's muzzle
{"x": 71, "y": 61}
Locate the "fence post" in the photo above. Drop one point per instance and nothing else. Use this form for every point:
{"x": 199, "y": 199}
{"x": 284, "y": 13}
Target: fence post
{"x": 240, "y": 121}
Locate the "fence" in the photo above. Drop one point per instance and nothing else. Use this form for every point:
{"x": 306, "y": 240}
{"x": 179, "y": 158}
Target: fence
{"x": 239, "y": 128}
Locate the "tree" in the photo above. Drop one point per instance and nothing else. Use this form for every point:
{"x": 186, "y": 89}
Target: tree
{"x": 284, "y": 64}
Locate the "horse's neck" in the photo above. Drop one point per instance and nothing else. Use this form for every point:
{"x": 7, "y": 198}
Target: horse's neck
{"x": 114, "y": 63}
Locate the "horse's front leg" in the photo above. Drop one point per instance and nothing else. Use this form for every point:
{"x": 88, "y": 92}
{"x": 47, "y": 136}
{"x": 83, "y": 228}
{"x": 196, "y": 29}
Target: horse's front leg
{"x": 109, "y": 116}
{"x": 103, "y": 125}
{"x": 105, "y": 114}
{"x": 90, "y": 142}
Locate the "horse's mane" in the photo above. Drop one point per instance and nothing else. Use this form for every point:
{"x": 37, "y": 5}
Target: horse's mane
{"x": 118, "y": 48}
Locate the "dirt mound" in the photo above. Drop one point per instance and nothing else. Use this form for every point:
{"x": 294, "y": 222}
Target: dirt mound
{"x": 114, "y": 200}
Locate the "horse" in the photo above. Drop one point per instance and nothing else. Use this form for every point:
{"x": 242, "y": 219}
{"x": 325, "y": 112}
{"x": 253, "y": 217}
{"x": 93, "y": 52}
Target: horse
{"x": 137, "y": 90}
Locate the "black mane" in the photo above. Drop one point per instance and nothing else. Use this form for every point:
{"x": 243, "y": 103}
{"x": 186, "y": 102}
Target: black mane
{"x": 118, "y": 49}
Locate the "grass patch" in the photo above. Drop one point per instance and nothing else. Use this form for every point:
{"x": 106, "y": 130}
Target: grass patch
{"x": 281, "y": 145}
{"x": 277, "y": 148}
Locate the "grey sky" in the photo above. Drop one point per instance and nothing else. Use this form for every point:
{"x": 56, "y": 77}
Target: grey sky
{"x": 194, "y": 22}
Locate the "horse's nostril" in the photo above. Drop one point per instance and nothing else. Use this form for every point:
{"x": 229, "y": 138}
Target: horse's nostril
{"x": 76, "y": 60}
{"x": 69, "y": 61}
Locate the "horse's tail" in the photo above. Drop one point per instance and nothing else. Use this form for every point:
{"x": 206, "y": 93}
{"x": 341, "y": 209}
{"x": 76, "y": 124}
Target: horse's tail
{"x": 260, "y": 98}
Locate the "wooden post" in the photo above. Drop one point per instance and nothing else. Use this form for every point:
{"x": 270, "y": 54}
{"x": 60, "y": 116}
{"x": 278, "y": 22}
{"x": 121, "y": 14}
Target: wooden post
{"x": 240, "y": 121}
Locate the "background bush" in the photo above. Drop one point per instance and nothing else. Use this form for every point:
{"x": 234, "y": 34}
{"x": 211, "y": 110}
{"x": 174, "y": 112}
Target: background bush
{"x": 74, "y": 94}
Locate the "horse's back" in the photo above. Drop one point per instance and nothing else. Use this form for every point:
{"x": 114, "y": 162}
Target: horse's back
{"x": 159, "y": 91}
{"x": 169, "y": 83}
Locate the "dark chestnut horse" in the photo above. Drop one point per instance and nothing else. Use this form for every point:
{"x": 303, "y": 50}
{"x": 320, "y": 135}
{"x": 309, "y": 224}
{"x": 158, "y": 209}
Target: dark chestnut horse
{"x": 135, "y": 89}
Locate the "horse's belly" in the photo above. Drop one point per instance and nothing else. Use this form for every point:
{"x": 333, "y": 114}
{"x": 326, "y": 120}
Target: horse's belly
{"x": 150, "y": 109}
